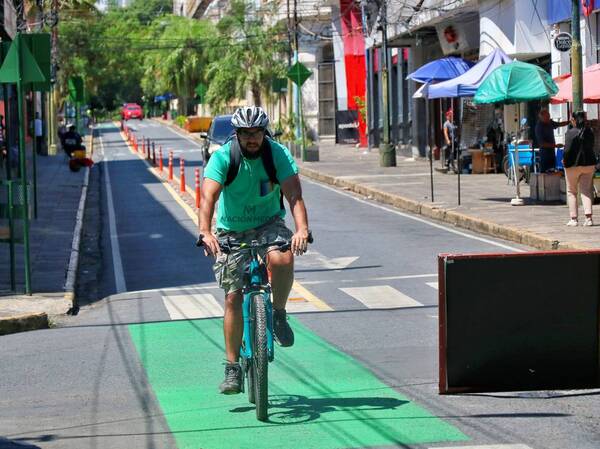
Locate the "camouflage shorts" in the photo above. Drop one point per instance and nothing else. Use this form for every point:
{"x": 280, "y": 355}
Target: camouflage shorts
{"x": 229, "y": 268}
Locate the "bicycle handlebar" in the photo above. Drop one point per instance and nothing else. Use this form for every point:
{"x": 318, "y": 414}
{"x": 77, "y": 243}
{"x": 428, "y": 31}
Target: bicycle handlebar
{"x": 226, "y": 247}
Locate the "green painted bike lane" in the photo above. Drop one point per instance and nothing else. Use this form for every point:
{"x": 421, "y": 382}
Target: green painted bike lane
{"x": 319, "y": 397}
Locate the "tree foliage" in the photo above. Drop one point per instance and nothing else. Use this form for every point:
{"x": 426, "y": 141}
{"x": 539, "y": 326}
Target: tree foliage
{"x": 128, "y": 54}
{"x": 252, "y": 57}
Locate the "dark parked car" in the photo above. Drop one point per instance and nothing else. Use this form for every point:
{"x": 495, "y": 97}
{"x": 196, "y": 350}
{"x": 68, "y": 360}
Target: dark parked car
{"x": 220, "y": 130}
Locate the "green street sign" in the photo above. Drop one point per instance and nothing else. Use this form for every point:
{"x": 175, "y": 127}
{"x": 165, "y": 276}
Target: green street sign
{"x": 298, "y": 73}
{"x": 27, "y": 72}
{"x": 39, "y": 45}
{"x": 280, "y": 85}
{"x": 75, "y": 86}
{"x": 200, "y": 91}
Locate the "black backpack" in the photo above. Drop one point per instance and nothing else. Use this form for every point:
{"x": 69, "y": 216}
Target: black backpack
{"x": 235, "y": 157}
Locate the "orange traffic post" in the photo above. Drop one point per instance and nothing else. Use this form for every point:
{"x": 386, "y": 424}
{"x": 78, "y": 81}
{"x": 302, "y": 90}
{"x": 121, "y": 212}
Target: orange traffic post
{"x": 170, "y": 166}
{"x": 134, "y": 144}
{"x": 143, "y": 145}
{"x": 182, "y": 174}
{"x": 160, "y": 160}
{"x": 153, "y": 154}
{"x": 197, "y": 175}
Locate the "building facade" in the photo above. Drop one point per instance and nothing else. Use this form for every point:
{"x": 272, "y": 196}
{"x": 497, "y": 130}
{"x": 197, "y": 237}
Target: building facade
{"x": 423, "y": 31}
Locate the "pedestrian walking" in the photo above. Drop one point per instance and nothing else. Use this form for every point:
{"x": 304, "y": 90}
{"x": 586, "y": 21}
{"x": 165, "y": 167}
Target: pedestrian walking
{"x": 449, "y": 129}
{"x": 38, "y": 128}
{"x": 544, "y": 134}
{"x": 580, "y": 164}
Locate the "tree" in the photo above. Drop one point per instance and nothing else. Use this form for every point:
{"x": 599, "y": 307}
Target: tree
{"x": 252, "y": 57}
{"x": 179, "y": 66}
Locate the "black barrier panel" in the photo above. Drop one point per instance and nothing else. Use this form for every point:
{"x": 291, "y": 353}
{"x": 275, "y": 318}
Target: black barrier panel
{"x": 519, "y": 322}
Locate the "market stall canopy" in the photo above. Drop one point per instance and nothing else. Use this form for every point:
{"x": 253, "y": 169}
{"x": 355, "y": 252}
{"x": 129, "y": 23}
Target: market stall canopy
{"x": 591, "y": 86}
{"x": 516, "y": 82}
{"x": 441, "y": 70}
{"x": 421, "y": 92}
{"x": 466, "y": 84}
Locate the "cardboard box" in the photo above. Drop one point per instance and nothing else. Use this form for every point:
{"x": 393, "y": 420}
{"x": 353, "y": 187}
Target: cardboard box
{"x": 545, "y": 186}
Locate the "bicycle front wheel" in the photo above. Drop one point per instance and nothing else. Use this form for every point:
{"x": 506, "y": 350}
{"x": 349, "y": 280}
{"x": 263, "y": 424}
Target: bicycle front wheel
{"x": 260, "y": 358}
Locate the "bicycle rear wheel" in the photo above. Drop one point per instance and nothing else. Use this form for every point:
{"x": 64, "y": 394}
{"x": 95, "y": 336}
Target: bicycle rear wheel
{"x": 260, "y": 358}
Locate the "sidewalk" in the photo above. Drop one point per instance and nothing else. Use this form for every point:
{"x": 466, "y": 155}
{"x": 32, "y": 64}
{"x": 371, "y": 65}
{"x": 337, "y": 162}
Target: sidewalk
{"x": 53, "y": 235}
{"x": 485, "y": 199}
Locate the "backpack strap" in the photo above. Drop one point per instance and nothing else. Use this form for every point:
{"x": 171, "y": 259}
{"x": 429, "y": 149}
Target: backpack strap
{"x": 235, "y": 156}
{"x": 267, "y": 160}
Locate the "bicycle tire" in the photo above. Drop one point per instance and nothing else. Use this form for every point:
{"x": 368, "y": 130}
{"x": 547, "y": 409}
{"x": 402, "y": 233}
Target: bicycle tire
{"x": 260, "y": 358}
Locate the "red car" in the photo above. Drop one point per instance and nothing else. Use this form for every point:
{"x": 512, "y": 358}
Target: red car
{"x": 132, "y": 110}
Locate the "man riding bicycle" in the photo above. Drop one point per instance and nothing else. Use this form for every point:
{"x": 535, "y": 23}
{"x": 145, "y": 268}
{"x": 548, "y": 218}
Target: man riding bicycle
{"x": 248, "y": 176}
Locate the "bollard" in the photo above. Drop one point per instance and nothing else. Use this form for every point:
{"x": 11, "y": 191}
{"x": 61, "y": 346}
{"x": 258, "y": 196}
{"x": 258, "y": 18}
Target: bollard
{"x": 197, "y": 175}
{"x": 153, "y": 154}
{"x": 134, "y": 144}
{"x": 143, "y": 145}
{"x": 182, "y": 174}
{"x": 170, "y": 166}
{"x": 160, "y": 160}
{"x": 148, "y": 149}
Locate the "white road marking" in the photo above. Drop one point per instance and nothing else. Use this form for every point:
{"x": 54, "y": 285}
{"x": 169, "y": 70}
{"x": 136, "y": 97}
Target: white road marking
{"x": 421, "y": 220}
{"x": 120, "y": 284}
{"x": 487, "y": 446}
{"x": 383, "y": 278}
{"x": 433, "y": 285}
{"x": 189, "y": 307}
{"x": 381, "y": 297}
{"x": 298, "y": 303}
{"x": 314, "y": 259}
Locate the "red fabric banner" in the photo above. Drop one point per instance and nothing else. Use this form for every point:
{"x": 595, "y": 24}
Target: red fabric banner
{"x": 354, "y": 59}
{"x": 588, "y": 6}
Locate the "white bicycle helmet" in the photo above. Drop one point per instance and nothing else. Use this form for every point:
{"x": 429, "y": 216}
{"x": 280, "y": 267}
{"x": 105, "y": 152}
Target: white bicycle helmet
{"x": 250, "y": 117}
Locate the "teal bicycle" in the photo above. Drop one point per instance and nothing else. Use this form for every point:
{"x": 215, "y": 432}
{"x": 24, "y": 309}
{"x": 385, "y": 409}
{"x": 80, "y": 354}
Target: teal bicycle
{"x": 257, "y": 348}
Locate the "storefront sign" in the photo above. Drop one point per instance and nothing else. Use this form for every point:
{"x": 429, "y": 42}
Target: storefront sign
{"x": 563, "y": 41}
{"x": 347, "y": 126}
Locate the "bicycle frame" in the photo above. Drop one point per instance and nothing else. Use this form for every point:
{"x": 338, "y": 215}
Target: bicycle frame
{"x": 258, "y": 285}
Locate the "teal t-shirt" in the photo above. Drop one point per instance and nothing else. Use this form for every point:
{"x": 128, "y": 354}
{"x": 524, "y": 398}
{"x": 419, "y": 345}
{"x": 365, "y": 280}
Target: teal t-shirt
{"x": 251, "y": 199}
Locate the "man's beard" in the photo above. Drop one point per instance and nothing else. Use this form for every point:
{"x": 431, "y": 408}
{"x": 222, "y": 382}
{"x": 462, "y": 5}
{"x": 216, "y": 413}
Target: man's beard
{"x": 249, "y": 154}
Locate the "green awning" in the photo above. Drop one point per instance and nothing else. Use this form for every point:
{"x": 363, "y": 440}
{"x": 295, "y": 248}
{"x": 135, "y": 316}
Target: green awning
{"x": 516, "y": 82}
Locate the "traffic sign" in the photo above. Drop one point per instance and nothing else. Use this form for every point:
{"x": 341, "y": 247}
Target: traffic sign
{"x": 298, "y": 73}
{"x": 563, "y": 41}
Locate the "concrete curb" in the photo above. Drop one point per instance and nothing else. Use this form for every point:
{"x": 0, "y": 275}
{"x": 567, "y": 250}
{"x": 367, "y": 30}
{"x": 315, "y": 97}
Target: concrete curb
{"x": 71, "y": 277}
{"x": 440, "y": 214}
{"x": 22, "y": 323}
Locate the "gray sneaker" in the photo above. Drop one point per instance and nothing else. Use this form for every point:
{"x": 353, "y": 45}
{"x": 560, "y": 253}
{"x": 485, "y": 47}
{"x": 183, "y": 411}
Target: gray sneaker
{"x": 284, "y": 335}
{"x": 233, "y": 379}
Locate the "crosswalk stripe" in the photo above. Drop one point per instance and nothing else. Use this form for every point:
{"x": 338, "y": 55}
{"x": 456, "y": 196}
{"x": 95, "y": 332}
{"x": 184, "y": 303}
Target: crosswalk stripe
{"x": 433, "y": 285}
{"x": 487, "y": 446}
{"x": 381, "y": 297}
{"x": 187, "y": 307}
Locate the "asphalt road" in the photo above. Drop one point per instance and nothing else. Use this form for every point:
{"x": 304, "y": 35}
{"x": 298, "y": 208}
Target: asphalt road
{"x": 139, "y": 366}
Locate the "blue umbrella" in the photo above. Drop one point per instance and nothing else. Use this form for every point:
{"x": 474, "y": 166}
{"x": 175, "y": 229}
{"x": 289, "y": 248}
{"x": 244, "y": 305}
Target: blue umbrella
{"x": 441, "y": 70}
{"x": 466, "y": 84}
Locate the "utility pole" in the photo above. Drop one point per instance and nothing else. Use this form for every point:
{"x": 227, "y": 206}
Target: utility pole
{"x": 52, "y": 125}
{"x": 387, "y": 152}
{"x": 576, "y": 68}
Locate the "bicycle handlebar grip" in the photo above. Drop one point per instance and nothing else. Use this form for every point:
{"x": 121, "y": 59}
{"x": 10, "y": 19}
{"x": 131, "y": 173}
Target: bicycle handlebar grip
{"x": 199, "y": 242}
{"x": 310, "y": 237}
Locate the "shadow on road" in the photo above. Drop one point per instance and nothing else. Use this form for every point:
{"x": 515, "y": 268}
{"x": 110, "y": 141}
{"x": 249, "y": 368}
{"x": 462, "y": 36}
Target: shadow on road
{"x": 294, "y": 409}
